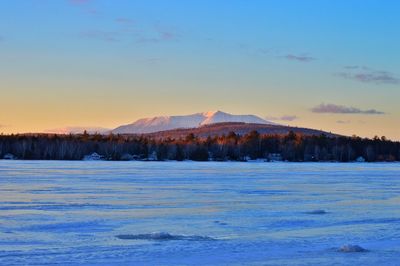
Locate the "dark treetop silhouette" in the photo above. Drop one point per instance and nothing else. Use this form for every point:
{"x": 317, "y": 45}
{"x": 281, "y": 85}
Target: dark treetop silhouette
{"x": 252, "y": 145}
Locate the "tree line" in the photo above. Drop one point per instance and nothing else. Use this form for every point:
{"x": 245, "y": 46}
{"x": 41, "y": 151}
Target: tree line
{"x": 251, "y": 146}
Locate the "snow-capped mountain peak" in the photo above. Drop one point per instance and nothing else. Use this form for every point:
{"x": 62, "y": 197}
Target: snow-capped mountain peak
{"x": 211, "y": 113}
{"x": 161, "y": 123}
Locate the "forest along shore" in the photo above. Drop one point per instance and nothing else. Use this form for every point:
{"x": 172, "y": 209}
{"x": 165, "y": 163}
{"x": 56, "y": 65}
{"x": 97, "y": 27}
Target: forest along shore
{"x": 290, "y": 147}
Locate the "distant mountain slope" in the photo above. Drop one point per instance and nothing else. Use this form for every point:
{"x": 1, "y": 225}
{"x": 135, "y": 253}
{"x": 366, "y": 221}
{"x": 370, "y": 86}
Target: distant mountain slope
{"x": 162, "y": 123}
{"x": 78, "y": 130}
{"x": 219, "y": 129}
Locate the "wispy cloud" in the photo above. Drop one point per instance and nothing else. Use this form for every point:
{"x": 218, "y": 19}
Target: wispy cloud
{"x": 299, "y": 58}
{"x": 84, "y": 5}
{"x": 289, "y": 117}
{"x": 283, "y": 118}
{"x": 341, "y": 109}
{"x": 295, "y": 57}
{"x": 350, "y": 122}
{"x": 159, "y": 34}
{"x": 367, "y": 75}
{"x": 124, "y": 21}
{"x": 129, "y": 29}
{"x": 151, "y": 61}
{"x": 79, "y": 2}
{"x": 165, "y": 34}
{"x": 353, "y": 67}
{"x": 77, "y": 130}
{"x": 108, "y": 36}
{"x": 127, "y": 25}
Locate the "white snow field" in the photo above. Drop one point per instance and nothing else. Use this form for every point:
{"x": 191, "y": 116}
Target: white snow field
{"x": 188, "y": 213}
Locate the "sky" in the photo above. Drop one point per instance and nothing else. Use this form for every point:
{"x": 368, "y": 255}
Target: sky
{"x": 331, "y": 65}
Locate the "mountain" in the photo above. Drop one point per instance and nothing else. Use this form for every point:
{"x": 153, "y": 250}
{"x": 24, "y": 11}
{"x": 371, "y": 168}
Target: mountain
{"x": 220, "y": 129}
{"x": 162, "y": 123}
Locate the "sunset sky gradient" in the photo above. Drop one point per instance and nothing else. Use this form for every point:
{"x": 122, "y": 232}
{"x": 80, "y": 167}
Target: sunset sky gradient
{"x": 331, "y": 65}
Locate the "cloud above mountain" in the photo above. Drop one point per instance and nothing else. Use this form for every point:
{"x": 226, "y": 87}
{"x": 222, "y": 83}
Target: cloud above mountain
{"x": 282, "y": 118}
{"x": 367, "y": 75}
{"x": 341, "y": 109}
{"x": 299, "y": 58}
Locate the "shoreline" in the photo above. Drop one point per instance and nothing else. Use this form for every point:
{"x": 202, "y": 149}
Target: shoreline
{"x": 209, "y": 161}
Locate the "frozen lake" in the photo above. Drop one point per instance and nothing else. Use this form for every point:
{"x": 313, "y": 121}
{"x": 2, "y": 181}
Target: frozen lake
{"x": 106, "y": 213}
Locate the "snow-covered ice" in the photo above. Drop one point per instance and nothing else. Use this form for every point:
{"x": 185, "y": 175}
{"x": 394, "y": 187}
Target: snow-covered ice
{"x": 188, "y": 213}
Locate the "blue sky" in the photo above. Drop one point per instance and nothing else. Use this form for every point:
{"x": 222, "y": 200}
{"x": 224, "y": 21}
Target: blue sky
{"x": 324, "y": 64}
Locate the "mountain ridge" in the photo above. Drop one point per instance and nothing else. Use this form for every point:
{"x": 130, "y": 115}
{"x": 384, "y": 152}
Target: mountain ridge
{"x": 163, "y": 123}
{"x": 219, "y": 129}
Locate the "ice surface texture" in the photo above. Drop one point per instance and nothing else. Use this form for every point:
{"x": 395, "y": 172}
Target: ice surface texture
{"x": 104, "y": 213}
{"x": 162, "y": 236}
{"x": 352, "y": 248}
{"x": 318, "y": 212}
